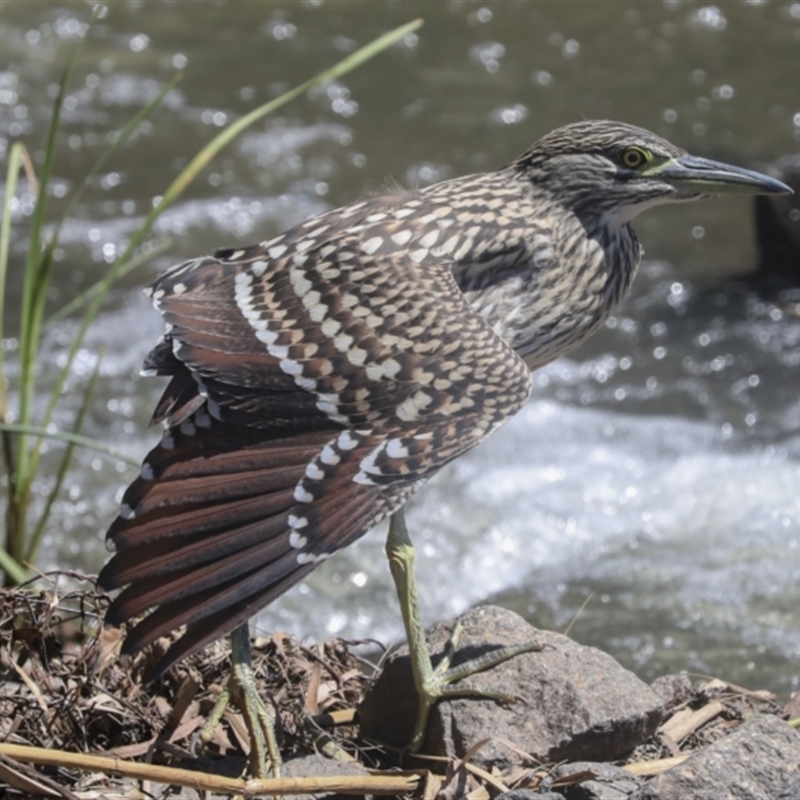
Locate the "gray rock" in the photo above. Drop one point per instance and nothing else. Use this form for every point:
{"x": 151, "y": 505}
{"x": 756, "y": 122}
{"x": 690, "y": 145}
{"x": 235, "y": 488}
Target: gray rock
{"x": 577, "y": 703}
{"x": 792, "y": 792}
{"x": 674, "y": 689}
{"x": 609, "y": 783}
{"x": 303, "y": 766}
{"x": 316, "y": 765}
{"x": 760, "y": 761}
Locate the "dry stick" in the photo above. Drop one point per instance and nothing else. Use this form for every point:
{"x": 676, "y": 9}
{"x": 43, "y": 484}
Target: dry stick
{"x": 12, "y": 773}
{"x": 466, "y": 760}
{"x": 329, "y": 719}
{"x": 648, "y": 768}
{"x": 384, "y": 784}
{"x": 682, "y": 724}
{"x": 28, "y": 681}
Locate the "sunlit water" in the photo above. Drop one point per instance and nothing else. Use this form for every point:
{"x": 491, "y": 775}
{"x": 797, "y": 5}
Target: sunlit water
{"x": 655, "y": 472}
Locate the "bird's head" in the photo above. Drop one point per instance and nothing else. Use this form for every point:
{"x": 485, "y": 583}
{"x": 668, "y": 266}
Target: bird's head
{"x": 612, "y": 171}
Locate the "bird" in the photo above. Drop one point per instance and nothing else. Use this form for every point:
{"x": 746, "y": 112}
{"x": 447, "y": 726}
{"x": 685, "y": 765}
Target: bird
{"x": 318, "y": 379}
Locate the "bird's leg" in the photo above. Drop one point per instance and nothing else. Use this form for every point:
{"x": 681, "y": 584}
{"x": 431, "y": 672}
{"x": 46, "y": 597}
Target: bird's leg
{"x": 260, "y": 721}
{"x": 432, "y": 684}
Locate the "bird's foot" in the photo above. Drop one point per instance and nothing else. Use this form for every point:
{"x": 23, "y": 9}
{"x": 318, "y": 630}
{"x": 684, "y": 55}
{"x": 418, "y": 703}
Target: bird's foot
{"x": 265, "y": 758}
{"x": 435, "y": 682}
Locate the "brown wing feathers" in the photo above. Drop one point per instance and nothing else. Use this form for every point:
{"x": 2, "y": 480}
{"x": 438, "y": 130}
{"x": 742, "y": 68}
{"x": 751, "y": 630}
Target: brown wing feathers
{"x": 315, "y": 384}
{"x": 208, "y": 531}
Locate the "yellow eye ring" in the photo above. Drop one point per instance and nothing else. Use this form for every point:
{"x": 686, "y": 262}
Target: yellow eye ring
{"x": 634, "y": 157}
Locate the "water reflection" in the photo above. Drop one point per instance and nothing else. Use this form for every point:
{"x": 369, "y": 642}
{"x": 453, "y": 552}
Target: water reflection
{"x": 657, "y": 466}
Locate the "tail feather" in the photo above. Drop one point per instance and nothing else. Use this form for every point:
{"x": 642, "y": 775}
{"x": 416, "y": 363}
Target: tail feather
{"x": 191, "y": 549}
{"x": 142, "y": 499}
{"x": 200, "y": 463}
{"x": 216, "y": 611}
{"x": 192, "y": 580}
{"x": 223, "y": 599}
{"x": 207, "y": 630}
{"x": 227, "y": 455}
{"x": 190, "y": 522}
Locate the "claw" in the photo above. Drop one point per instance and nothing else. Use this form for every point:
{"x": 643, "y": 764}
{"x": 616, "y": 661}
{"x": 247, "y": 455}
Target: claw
{"x": 265, "y": 757}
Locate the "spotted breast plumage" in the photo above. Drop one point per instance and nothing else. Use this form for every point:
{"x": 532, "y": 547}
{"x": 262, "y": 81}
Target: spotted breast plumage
{"x": 318, "y": 379}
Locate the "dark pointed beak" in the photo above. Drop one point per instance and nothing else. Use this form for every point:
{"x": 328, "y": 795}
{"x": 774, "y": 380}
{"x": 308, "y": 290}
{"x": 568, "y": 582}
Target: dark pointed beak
{"x": 693, "y": 175}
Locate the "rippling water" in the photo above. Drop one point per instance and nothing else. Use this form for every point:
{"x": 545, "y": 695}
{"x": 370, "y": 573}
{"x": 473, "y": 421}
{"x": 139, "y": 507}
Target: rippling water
{"x": 655, "y": 472}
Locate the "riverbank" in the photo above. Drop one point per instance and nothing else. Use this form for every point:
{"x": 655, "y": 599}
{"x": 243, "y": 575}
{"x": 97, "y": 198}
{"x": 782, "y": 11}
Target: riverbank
{"x": 69, "y": 704}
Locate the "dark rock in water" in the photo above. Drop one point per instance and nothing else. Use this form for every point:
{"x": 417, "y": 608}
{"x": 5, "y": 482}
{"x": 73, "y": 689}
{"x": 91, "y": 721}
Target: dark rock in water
{"x": 778, "y": 230}
{"x": 760, "y": 761}
{"x": 577, "y": 703}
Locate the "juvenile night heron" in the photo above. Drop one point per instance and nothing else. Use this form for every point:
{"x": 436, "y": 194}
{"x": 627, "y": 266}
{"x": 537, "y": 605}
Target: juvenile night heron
{"x": 320, "y": 378}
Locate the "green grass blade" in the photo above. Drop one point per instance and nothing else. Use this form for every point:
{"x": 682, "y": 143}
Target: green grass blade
{"x": 100, "y": 286}
{"x": 35, "y": 539}
{"x": 346, "y": 65}
{"x": 204, "y": 157}
{"x": 36, "y": 282}
{"x": 14, "y": 164}
{"x": 12, "y": 568}
{"x": 122, "y": 137}
{"x": 34, "y": 291}
{"x": 74, "y": 438}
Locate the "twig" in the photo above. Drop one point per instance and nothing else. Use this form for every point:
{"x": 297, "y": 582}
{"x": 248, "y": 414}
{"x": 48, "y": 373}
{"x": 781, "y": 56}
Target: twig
{"x": 25, "y": 779}
{"x": 647, "y": 768}
{"x": 380, "y": 784}
{"x": 680, "y": 725}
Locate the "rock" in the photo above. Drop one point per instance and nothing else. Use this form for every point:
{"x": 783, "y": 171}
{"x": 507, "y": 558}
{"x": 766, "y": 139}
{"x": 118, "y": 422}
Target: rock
{"x": 302, "y": 766}
{"x": 527, "y": 794}
{"x": 577, "y": 703}
{"x": 316, "y": 765}
{"x": 609, "y": 783}
{"x": 778, "y": 228}
{"x": 674, "y": 689}
{"x": 760, "y": 761}
{"x": 792, "y": 792}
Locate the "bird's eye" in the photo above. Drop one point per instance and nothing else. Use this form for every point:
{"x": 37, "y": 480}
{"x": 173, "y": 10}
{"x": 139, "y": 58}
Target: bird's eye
{"x": 634, "y": 157}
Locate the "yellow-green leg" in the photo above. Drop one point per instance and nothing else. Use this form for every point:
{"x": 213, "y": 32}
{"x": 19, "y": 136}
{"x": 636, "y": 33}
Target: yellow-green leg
{"x": 241, "y": 689}
{"x": 432, "y": 684}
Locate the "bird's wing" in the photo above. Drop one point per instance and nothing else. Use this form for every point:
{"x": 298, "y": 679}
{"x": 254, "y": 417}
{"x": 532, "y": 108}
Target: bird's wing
{"x": 317, "y": 381}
